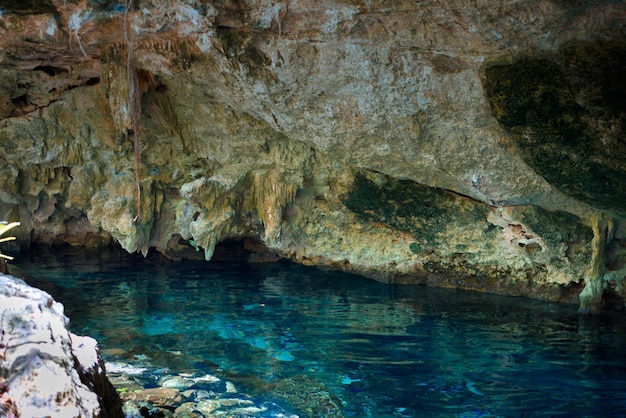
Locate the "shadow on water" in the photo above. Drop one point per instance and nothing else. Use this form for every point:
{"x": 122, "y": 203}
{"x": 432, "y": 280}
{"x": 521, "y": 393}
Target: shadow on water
{"x": 312, "y": 339}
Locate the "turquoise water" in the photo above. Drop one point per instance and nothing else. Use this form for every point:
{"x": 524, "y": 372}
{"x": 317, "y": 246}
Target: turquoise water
{"x": 298, "y": 338}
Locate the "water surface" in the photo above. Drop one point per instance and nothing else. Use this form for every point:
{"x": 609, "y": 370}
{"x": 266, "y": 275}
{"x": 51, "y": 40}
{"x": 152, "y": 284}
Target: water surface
{"x": 288, "y": 335}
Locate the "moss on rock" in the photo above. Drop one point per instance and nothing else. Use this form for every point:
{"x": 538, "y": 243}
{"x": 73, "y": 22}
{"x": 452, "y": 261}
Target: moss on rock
{"x": 410, "y": 206}
{"x": 567, "y": 113}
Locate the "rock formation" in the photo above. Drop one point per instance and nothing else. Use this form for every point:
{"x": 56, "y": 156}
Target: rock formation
{"x": 454, "y": 143}
{"x": 44, "y": 369}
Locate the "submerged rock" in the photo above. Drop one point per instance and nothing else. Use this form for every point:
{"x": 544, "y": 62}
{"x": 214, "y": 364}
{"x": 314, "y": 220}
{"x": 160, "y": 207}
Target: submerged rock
{"x": 309, "y": 396}
{"x": 205, "y": 396}
{"x": 158, "y": 397}
{"x": 45, "y": 369}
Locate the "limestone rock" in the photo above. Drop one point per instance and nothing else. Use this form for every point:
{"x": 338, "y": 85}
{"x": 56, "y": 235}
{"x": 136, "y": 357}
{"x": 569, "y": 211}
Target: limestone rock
{"x": 46, "y": 370}
{"x": 311, "y": 397}
{"x": 92, "y": 371}
{"x": 262, "y": 119}
{"x": 159, "y": 397}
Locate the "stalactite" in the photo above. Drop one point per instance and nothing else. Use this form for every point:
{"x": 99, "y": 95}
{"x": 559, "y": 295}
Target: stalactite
{"x": 135, "y": 102}
{"x": 591, "y": 296}
{"x": 272, "y": 193}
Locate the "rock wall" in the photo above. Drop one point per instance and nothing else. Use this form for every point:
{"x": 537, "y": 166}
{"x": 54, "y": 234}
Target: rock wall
{"x": 453, "y": 143}
{"x": 44, "y": 369}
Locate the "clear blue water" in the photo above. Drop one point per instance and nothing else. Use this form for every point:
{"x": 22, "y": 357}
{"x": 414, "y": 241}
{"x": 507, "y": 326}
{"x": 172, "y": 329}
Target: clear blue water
{"x": 378, "y": 350}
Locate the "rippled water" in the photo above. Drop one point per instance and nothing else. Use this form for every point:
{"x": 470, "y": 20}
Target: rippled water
{"x": 279, "y": 329}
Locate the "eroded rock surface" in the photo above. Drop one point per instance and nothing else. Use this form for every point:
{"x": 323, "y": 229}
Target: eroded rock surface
{"x": 45, "y": 370}
{"x": 459, "y": 144}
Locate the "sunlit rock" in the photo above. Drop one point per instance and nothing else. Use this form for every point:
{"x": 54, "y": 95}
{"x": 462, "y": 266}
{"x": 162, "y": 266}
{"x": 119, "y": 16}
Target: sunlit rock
{"x": 47, "y": 370}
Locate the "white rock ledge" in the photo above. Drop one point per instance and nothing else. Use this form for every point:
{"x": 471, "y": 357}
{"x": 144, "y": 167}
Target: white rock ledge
{"x": 44, "y": 369}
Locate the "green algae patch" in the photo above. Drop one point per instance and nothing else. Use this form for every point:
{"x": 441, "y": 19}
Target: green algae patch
{"x": 440, "y": 221}
{"x": 462, "y": 243}
{"x": 414, "y": 247}
{"x": 410, "y": 206}
{"x": 496, "y": 279}
{"x": 309, "y": 396}
{"x": 567, "y": 113}
{"x": 560, "y": 229}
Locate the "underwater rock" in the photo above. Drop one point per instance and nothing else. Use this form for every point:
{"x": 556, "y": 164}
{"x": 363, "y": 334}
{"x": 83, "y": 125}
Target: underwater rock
{"x": 48, "y": 371}
{"x": 182, "y": 382}
{"x": 309, "y": 396}
{"x": 157, "y": 397}
{"x": 219, "y": 398}
{"x": 188, "y": 410}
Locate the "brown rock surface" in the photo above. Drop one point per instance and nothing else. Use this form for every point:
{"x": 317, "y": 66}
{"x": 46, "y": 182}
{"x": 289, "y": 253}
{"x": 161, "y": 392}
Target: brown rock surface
{"x": 446, "y": 142}
{"x": 160, "y": 397}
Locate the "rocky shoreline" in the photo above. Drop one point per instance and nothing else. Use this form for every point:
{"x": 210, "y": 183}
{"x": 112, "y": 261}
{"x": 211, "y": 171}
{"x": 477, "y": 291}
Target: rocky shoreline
{"x": 45, "y": 369}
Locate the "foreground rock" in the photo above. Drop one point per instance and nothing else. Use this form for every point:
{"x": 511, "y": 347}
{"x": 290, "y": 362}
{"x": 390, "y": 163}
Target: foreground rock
{"x": 454, "y": 143}
{"x": 203, "y": 396}
{"x": 45, "y": 370}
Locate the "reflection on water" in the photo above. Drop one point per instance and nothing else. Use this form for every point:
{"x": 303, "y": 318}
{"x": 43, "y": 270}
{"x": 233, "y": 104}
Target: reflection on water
{"x": 286, "y": 334}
